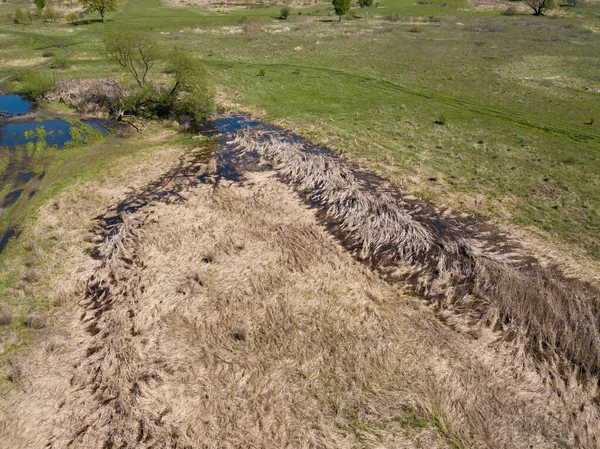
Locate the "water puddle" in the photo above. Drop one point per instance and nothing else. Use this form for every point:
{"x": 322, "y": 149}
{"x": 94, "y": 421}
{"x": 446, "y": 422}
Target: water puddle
{"x": 27, "y": 142}
{"x": 56, "y": 132}
{"x": 13, "y": 105}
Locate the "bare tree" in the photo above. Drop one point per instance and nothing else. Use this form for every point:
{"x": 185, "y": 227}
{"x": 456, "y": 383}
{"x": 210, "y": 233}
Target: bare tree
{"x": 540, "y": 6}
{"x": 134, "y": 51}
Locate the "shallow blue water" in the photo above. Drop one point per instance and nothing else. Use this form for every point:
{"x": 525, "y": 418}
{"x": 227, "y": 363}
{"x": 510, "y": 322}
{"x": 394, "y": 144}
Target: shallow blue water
{"x": 11, "y": 105}
{"x": 55, "y": 131}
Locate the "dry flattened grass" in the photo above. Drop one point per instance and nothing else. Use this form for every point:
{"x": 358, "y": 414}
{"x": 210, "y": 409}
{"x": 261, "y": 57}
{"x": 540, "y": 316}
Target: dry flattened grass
{"x": 88, "y": 95}
{"x": 231, "y": 318}
{"x": 552, "y": 317}
{"x": 280, "y": 339}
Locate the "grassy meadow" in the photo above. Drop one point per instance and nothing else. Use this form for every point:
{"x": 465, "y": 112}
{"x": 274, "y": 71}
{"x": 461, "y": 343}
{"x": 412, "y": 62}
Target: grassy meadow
{"x": 496, "y": 115}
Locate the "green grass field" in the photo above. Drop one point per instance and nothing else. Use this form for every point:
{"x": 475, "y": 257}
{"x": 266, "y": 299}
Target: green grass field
{"x": 494, "y": 115}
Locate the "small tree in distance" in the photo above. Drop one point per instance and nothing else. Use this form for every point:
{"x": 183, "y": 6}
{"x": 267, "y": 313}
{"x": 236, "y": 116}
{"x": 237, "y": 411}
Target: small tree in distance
{"x": 365, "y": 4}
{"x": 99, "y": 6}
{"x": 40, "y": 4}
{"x": 541, "y": 6}
{"x": 341, "y": 7}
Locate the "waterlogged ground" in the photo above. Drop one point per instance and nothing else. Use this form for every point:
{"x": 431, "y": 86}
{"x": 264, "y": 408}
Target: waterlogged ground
{"x": 28, "y": 146}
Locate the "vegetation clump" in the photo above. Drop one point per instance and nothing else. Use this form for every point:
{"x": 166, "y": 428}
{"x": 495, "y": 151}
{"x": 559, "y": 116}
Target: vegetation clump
{"x": 341, "y": 8}
{"x": 34, "y": 84}
{"x": 188, "y": 97}
{"x": 284, "y": 13}
{"x": 99, "y": 6}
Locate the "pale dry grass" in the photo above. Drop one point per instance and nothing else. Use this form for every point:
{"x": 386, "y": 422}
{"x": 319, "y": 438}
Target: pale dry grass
{"x": 88, "y": 95}
{"x": 234, "y": 319}
{"x": 549, "y": 315}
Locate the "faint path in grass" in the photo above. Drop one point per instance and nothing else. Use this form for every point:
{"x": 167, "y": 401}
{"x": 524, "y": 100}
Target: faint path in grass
{"x": 67, "y": 51}
{"x": 577, "y": 134}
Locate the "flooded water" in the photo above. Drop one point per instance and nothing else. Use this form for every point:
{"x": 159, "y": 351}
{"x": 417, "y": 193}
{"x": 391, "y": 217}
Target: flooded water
{"x": 13, "y": 105}
{"x": 55, "y": 131}
{"x": 26, "y": 149}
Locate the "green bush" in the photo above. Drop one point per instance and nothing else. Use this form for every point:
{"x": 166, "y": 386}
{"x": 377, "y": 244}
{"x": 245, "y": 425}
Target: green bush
{"x": 284, "y": 13}
{"x": 441, "y": 120}
{"x": 73, "y": 17}
{"x": 60, "y": 64}
{"x": 189, "y": 98}
{"x": 50, "y": 14}
{"x": 21, "y": 17}
{"x": 32, "y": 84}
{"x": 510, "y": 11}
{"x": 262, "y": 72}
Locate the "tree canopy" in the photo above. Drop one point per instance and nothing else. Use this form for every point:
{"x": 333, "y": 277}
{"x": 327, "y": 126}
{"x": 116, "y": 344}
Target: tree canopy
{"x": 134, "y": 51}
{"x": 341, "y": 7}
{"x": 189, "y": 96}
{"x": 366, "y": 4}
{"x": 99, "y": 6}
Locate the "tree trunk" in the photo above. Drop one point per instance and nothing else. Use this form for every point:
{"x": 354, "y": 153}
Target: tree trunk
{"x": 102, "y": 15}
{"x": 339, "y": 18}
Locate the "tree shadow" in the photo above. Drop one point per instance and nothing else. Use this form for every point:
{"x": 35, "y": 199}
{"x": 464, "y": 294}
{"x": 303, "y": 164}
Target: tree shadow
{"x": 90, "y": 21}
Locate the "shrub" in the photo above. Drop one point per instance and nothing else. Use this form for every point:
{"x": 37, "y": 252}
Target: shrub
{"x": 284, "y": 13}
{"x": 73, "y": 17}
{"x": 50, "y": 14}
{"x": 33, "y": 84}
{"x": 441, "y": 120}
{"x": 21, "y": 16}
{"x": 262, "y": 72}
{"x": 510, "y": 11}
{"x": 393, "y": 17}
{"x": 47, "y": 54}
{"x": 59, "y": 64}
{"x": 414, "y": 29}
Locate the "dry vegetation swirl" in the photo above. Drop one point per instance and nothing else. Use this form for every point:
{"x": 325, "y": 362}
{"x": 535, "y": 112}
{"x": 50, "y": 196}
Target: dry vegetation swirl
{"x": 554, "y": 318}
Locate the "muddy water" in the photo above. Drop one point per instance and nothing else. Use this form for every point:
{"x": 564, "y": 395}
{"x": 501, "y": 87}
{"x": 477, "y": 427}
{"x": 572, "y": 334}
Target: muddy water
{"x": 27, "y": 142}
